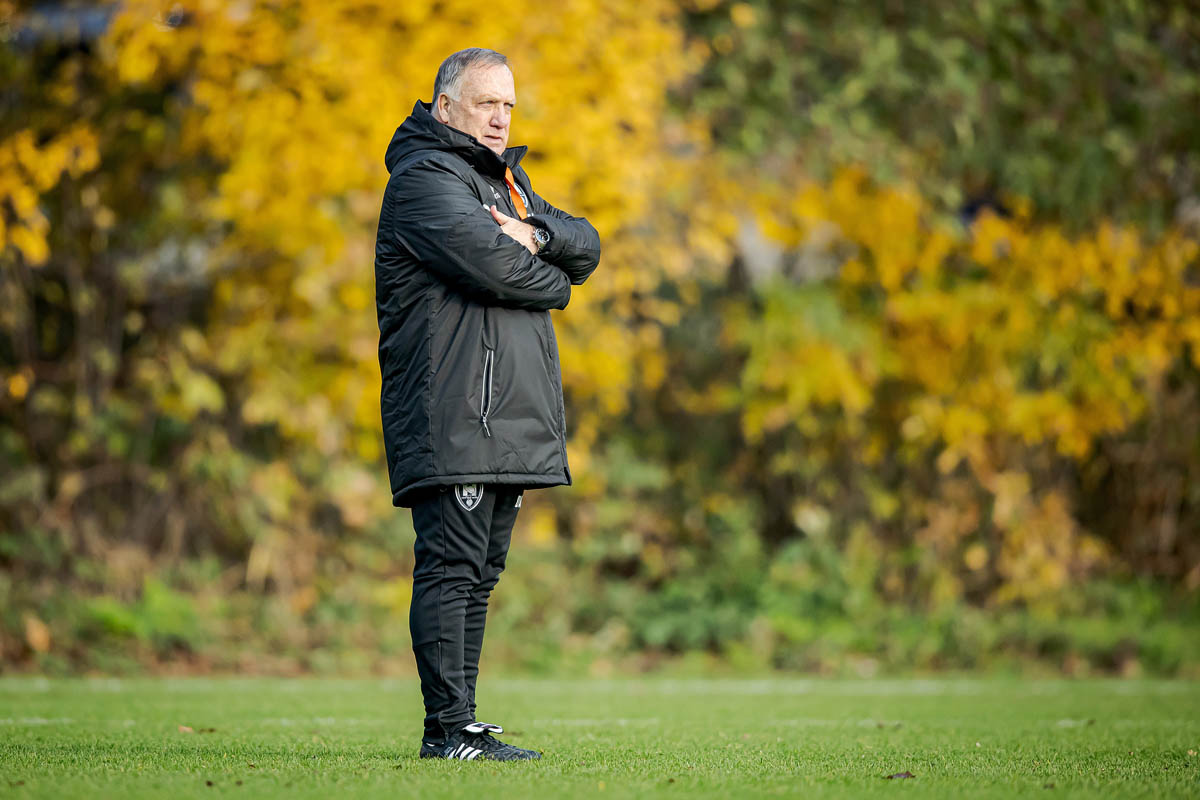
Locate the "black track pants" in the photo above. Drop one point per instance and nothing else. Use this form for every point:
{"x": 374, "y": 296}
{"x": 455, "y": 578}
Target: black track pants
{"x": 463, "y": 534}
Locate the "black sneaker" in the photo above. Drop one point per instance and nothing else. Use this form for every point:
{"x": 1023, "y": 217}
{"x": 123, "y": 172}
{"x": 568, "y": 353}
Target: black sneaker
{"x": 475, "y": 742}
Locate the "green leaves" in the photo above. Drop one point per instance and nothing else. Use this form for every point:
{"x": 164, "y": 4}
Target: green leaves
{"x": 1086, "y": 109}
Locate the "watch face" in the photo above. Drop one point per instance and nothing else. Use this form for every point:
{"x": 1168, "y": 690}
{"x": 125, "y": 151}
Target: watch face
{"x": 542, "y": 236}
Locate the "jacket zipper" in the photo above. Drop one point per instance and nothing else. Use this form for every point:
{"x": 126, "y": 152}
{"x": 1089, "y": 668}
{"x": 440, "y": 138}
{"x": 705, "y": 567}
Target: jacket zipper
{"x": 485, "y": 402}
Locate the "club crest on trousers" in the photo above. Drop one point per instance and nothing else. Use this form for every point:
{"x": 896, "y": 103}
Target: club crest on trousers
{"x": 468, "y": 495}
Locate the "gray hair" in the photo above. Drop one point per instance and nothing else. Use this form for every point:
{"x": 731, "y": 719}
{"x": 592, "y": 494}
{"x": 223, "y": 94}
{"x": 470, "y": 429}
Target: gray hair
{"x": 450, "y": 73}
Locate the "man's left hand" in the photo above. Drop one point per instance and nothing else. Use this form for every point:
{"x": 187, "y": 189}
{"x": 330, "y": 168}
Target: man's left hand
{"x": 521, "y": 231}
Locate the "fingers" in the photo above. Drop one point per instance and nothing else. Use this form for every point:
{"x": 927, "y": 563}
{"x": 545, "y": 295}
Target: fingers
{"x": 523, "y": 233}
{"x": 525, "y": 241}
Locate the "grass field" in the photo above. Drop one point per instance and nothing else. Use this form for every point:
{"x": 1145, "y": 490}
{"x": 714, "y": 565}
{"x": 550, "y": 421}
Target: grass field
{"x": 266, "y": 738}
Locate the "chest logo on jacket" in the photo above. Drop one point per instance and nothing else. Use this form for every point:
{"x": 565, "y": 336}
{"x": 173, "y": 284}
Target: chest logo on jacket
{"x": 468, "y": 495}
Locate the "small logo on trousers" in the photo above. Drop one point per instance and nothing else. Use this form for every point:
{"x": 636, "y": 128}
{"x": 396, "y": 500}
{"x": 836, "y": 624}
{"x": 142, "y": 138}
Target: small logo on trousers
{"x": 468, "y": 495}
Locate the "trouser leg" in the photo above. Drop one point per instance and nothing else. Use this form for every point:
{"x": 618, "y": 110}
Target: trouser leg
{"x": 504, "y": 516}
{"x": 453, "y": 534}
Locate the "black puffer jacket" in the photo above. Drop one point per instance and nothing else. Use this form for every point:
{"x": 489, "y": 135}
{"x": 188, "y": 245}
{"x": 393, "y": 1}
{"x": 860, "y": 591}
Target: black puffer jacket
{"x": 472, "y": 391}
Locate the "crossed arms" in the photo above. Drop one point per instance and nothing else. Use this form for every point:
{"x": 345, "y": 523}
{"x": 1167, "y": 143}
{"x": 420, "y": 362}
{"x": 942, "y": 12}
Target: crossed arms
{"x": 438, "y": 219}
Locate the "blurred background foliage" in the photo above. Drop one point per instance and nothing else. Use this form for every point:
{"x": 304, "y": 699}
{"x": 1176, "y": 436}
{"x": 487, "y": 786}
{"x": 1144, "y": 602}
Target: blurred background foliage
{"x": 891, "y": 362}
{"x": 1088, "y": 110}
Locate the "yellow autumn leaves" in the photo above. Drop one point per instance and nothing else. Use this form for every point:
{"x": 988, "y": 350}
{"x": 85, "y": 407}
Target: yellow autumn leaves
{"x": 988, "y": 341}
{"x": 28, "y": 169}
{"x": 1092, "y": 318}
{"x": 984, "y": 341}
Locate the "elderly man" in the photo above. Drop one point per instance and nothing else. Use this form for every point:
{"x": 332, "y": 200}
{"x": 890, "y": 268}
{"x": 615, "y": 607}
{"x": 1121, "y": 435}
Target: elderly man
{"x": 468, "y": 262}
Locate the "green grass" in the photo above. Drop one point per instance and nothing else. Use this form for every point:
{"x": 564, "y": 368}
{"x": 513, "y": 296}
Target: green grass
{"x": 265, "y": 738}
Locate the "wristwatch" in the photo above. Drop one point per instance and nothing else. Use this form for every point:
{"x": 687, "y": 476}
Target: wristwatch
{"x": 542, "y": 237}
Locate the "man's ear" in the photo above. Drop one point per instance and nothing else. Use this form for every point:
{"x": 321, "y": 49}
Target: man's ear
{"x": 439, "y": 111}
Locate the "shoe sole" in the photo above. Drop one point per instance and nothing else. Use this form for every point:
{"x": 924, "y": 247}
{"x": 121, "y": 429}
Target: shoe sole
{"x": 533, "y": 756}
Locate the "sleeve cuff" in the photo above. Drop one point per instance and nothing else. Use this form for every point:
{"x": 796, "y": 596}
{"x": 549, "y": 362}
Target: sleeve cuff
{"x": 558, "y": 236}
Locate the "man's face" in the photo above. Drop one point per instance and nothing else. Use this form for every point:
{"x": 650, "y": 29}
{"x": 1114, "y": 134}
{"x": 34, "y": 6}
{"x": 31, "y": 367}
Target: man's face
{"x": 484, "y": 107}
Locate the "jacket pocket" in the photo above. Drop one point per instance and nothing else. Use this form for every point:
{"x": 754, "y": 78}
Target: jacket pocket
{"x": 486, "y": 392}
